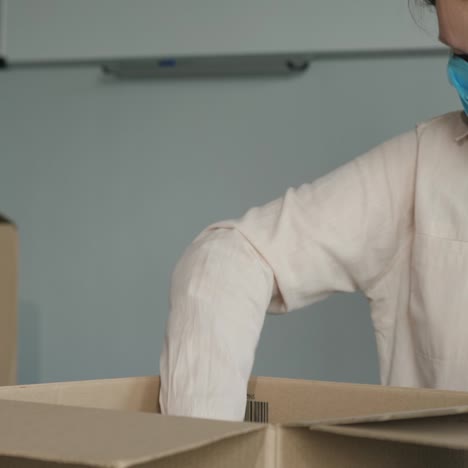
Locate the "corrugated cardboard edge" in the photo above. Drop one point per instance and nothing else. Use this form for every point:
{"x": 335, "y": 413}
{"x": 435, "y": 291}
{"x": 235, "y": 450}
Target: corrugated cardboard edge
{"x": 383, "y": 417}
{"x": 395, "y": 435}
{"x": 272, "y": 447}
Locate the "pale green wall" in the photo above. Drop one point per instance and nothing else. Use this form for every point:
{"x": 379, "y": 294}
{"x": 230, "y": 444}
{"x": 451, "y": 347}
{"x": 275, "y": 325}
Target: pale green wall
{"x": 109, "y": 182}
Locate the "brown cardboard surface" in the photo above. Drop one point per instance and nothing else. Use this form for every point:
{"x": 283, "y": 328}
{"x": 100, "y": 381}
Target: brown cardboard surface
{"x": 441, "y": 431}
{"x": 104, "y": 438}
{"x": 8, "y": 301}
{"x": 289, "y": 401}
{"x": 300, "y": 448}
{"x": 302, "y": 400}
{"x": 128, "y": 394}
{"x": 335, "y": 425}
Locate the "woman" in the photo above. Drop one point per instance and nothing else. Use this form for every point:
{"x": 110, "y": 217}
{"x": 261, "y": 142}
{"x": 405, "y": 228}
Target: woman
{"x": 393, "y": 223}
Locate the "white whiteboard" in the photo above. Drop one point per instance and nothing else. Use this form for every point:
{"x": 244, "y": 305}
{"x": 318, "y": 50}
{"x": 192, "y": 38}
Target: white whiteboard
{"x": 50, "y": 30}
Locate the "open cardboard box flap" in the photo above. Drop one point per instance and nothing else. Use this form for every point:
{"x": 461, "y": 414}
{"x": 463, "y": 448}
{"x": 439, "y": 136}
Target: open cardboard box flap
{"x": 449, "y": 431}
{"x": 438, "y": 427}
{"x": 103, "y": 438}
{"x": 304, "y": 402}
{"x": 128, "y": 394}
{"x": 76, "y": 423}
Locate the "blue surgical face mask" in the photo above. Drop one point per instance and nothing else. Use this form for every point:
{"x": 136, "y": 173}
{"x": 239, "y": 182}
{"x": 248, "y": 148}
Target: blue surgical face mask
{"x": 458, "y": 75}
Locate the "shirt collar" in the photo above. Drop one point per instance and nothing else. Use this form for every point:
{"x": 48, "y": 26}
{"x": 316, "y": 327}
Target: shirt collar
{"x": 461, "y": 130}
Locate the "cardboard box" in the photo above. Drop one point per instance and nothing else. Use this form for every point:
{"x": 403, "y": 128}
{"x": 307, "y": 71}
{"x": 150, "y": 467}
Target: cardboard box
{"x": 112, "y": 423}
{"x": 8, "y": 301}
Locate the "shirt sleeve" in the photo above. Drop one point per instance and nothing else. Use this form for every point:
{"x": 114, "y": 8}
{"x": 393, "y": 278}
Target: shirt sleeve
{"x": 339, "y": 233}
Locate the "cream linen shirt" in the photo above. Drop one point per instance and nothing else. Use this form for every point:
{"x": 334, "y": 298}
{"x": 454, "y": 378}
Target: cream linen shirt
{"x": 392, "y": 223}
